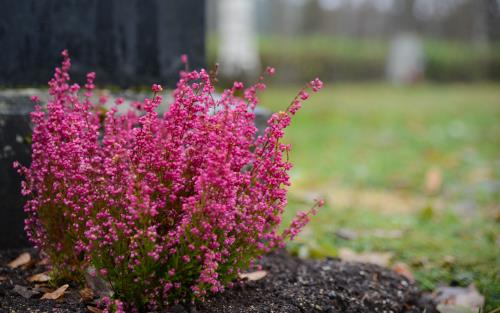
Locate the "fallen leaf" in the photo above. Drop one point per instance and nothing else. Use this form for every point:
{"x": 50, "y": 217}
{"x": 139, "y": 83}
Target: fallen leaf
{"x": 450, "y": 298}
{"x": 448, "y": 260}
{"x": 22, "y": 259}
{"x": 56, "y": 294}
{"x": 253, "y": 275}
{"x": 93, "y": 309}
{"x": 433, "y": 180}
{"x": 378, "y": 258}
{"x": 24, "y": 291}
{"x": 403, "y": 270}
{"x": 39, "y": 278}
{"x": 87, "y": 294}
{"x": 496, "y": 214}
{"x": 42, "y": 288}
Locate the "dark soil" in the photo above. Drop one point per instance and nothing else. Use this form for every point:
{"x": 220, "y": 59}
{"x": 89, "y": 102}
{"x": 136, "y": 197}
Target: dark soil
{"x": 292, "y": 285}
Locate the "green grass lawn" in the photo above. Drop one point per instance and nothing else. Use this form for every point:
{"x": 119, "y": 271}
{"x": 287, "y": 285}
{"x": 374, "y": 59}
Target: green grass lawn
{"x": 367, "y": 149}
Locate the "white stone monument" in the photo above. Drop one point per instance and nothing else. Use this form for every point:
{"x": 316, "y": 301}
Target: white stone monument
{"x": 238, "y": 52}
{"x": 405, "y": 62}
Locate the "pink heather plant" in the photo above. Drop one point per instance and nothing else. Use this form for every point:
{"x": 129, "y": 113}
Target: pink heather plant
{"x": 166, "y": 208}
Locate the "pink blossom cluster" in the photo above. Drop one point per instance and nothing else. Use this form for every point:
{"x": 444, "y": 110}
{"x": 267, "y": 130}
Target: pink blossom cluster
{"x": 166, "y": 207}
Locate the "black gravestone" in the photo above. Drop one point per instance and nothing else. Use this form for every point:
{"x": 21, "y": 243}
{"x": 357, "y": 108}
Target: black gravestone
{"x": 127, "y": 42}
{"x": 15, "y": 136}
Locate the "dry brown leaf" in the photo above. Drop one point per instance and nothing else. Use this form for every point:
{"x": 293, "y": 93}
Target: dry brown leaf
{"x": 433, "y": 180}
{"x": 87, "y": 294}
{"x": 42, "y": 288}
{"x": 22, "y": 259}
{"x": 378, "y": 258}
{"x": 253, "y": 275}
{"x": 93, "y": 309}
{"x": 39, "y": 278}
{"x": 496, "y": 214}
{"x": 448, "y": 260}
{"x": 403, "y": 270}
{"x": 44, "y": 261}
{"x": 56, "y": 294}
{"x": 2, "y": 278}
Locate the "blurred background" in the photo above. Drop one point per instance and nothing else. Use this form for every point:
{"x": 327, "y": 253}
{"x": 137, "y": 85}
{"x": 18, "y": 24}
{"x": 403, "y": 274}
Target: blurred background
{"x": 358, "y": 40}
{"x": 404, "y": 141}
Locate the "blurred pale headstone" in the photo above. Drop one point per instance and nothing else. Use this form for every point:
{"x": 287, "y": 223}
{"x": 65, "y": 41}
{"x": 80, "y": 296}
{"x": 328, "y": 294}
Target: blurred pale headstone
{"x": 405, "y": 62}
{"x": 238, "y": 49}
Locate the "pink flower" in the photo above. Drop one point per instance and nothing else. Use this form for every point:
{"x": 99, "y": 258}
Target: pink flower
{"x": 91, "y": 75}
{"x": 295, "y": 107}
{"x": 304, "y": 95}
{"x": 184, "y": 59}
{"x": 316, "y": 84}
{"x": 270, "y": 70}
{"x": 238, "y": 85}
{"x": 119, "y": 101}
{"x": 170, "y": 204}
{"x": 156, "y": 88}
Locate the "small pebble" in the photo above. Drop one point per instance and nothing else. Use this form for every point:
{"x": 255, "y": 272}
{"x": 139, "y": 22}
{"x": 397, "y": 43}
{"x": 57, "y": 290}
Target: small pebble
{"x": 24, "y": 291}
{"x": 332, "y": 294}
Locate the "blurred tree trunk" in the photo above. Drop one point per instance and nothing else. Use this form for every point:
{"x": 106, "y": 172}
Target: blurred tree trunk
{"x": 486, "y": 22}
{"x": 405, "y": 18}
{"x": 493, "y": 20}
{"x": 480, "y": 36}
